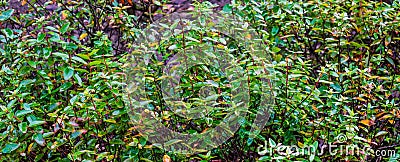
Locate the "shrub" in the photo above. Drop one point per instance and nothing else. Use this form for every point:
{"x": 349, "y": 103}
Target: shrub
{"x": 62, "y": 81}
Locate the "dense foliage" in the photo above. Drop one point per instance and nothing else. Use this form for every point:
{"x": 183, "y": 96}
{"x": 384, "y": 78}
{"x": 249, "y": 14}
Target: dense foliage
{"x": 62, "y": 80}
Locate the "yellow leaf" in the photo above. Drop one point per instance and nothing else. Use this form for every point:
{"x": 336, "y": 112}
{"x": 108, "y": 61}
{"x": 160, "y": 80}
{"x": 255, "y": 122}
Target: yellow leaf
{"x": 355, "y": 26}
{"x": 304, "y": 116}
{"x": 315, "y": 108}
{"x": 380, "y": 114}
{"x": 166, "y": 158}
{"x": 83, "y": 36}
{"x": 384, "y": 78}
{"x": 301, "y": 145}
{"x": 386, "y": 116}
{"x": 63, "y": 15}
{"x": 361, "y": 99}
{"x": 110, "y": 121}
{"x": 248, "y": 36}
{"x": 305, "y": 133}
{"x": 220, "y": 46}
{"x": 367, "y": 122}
{"x": 166, "y": 118}
{"x": 153, "y": 44}
{"x": 373, "y": 77}
{"x": 30, "y": 148}
{"x": 149, "y": 78}
{"x": 148, "y": 146}
{"x": 23, "y": 3}
{"x": 97, "y": 99}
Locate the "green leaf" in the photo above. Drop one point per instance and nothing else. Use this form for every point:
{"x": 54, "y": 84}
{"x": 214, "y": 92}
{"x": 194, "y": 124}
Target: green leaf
{"x": 56, "y": 38}
{"x": 65, "y": 86}
{"x": 142, "y": 141}
{"x": 36, "y": 123}
{"x": 7, "y": 70}
{"x": 249, "y": 141}
{"x": 381, "y": 133}
{"x": 275, "y": 30}
{"x": 78, "y": 79}
{"x": 295, "y": 76}
{"x": 32, "y": 63}
{"x": 70, "y": 46}
{"x": 64, "y": 28}
{"x": 271, "y": 142}
{"x": 117, "y": 142}
{"x": 22, "y": 112}
{"x": 315, "y": 144}
{"x": 277, "y": 57}
{"x": 94, "y": 63}
{"x": 23, "y": 127}
{"x": 48, "y": 134}
{"x": 11, "y": 103}
{"x": 51, "y": 28}
{"x": 68, "y": 73}
{"x": 26, "y": 106}
{"x": 8, "y": 32}
{"x": 265, "y": 158}
{"x": 53, "y": 106}
{"x": 227, "y": 8}
{"x": 79, "y": 60}
{"x": 312, "y": 156}
{"x": 118, "y": 112}
{"x": 62, "y": 55}
{"x": 73, "y": 100}
{"x": 47, "y": 51}
{"x": 275, "y": 49}
{"x": 26, "y": 82}
{"x": 336, "y": 87}
{"x": 173, "y": 47}
{"x": 83, "y": 56}
{"x": 157, "y": 3}
{"x": 41, "y": 37}
{"x": 171, "y": 142}
{"x": 39, "y": 139}
{"x": 209, "y": 121}
{"x": 10, "y": 147}
{"x": 93, "y": 52}
{"x": 324, "y": 81}
{"x": 390, "y": 60}
{"x": 76, "y": 134}
{"x": 6, "y": 14}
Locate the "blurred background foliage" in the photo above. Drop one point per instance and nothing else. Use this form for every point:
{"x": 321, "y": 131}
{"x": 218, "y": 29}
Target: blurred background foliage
{"x": 61, "y": 78}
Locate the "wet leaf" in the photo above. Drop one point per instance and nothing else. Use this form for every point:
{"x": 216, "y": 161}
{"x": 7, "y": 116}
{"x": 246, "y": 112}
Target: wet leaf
{"x": 10, "y": 147}
{"x": 6, "y": 14}
{"x": 68, "y": 73}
